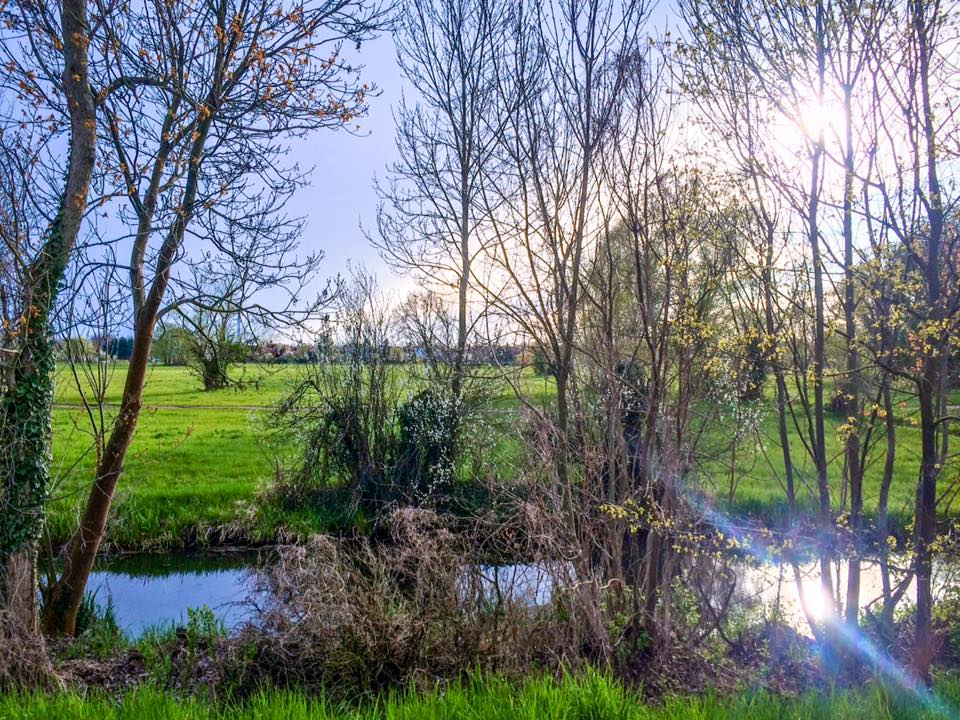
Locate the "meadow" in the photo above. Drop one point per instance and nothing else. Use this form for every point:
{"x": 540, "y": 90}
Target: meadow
{"x": 199, "y": 459}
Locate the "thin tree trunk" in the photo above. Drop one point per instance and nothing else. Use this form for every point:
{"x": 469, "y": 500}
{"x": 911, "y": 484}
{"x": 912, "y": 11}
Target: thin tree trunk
{"x": 852, "y": 385}
{"x": 819, "y": 358}
{"x": 929, "y": 385}
{"x": 819, "y": 339}
{"x": 60, "y": 616}
{"x": 464, "y": 280}
{"x": 883, "y": 517}
{"x": 781, "y": 383}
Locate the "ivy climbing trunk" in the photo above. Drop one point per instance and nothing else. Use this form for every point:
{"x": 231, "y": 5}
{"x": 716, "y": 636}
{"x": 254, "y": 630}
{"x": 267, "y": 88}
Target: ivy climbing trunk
{"x": 27, "y": 403}
{"x": 25, "y": 438}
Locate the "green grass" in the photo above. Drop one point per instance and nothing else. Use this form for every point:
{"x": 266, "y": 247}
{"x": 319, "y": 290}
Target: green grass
{"x": 262, "y": 386}
{"x": 198, "y": 459}
{"x": 185, "y": 470}
{"x": 759, "y": 489}
{"x": 585, "y": 697}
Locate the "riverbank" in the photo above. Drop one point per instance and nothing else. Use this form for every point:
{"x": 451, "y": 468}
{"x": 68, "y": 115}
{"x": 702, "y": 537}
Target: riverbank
{"x": 588, "y": 696}
{"x": 347, "y": 619}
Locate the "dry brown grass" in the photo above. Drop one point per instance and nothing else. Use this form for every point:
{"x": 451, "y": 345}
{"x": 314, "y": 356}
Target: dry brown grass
{"x": 24, "y": 662}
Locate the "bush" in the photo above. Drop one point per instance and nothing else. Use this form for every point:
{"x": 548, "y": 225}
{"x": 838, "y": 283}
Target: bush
{"x": 356, "y": 436}
{"x": 424, "y": 468}
{"x": 358, "y": 616}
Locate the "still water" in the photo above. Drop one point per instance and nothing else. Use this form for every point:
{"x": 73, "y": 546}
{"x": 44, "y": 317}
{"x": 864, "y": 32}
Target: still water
{"x": 156, "y": 590}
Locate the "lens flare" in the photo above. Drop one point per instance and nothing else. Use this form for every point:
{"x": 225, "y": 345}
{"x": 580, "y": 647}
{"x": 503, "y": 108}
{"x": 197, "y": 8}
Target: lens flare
{"x": 851, "y": 639}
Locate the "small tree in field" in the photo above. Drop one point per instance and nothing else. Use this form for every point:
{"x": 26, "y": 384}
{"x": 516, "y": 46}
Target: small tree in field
{"x": 211, "y": 348}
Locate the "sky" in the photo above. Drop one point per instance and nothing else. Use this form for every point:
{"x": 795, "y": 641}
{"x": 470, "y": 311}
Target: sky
{"x": 341, "y": 194}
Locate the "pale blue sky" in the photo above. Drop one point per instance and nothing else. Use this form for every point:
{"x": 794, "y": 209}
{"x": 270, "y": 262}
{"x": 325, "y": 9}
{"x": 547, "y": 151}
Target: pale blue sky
{"x": 341, "y": 192}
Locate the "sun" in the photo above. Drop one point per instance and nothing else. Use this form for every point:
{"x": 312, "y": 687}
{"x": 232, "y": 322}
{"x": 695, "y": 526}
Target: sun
{"x": 818, "y": 603}
{"x": 807, "y": 120}
{"x": 816, "y": 117}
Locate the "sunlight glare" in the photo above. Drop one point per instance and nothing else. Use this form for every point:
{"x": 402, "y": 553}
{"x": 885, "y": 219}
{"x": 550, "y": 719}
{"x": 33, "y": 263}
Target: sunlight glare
{"x": 810, "y": 117}
{"x": 816, "y": 600}
{"x": 815, "y": 117}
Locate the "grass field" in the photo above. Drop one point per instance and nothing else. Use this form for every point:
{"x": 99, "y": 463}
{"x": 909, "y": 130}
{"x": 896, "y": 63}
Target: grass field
{"x": 588, "y": 697}
{"x": 758, "y": 482}
{"x": 198, "y": 459}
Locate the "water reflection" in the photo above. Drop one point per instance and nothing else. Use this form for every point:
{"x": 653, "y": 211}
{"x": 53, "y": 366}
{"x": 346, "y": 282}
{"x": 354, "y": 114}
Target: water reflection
{"x": 773, "y": 587}
{"x": 149, "y": 591}
{"x": 529, "y": 584}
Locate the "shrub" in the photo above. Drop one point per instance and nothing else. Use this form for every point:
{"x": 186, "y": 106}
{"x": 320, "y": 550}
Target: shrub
{"x": 356, "y": 436}
{"x": 424, "y": 468}
{"x": 359, "y": 616}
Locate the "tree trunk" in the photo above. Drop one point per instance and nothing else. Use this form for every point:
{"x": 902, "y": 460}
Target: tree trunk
{"x": 60, "y": 615}
{"x": 819, "y": 440}
{"x": 852, "y": 385}
{"x": 651, "y": 583}
{"x": 926, "y": 526}
{"x": 929, "y": 385}
{"x": 23, "y": 658}
{"x": 889, "y": 463}
{"x": 27, "y": 405}
{"x": 778, "y": 373}
{"x": 464, "y": 279}
{"x": 18, "y": 588}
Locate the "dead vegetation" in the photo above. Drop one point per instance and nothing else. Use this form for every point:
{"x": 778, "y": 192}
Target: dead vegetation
{"x": 365, "y": 614}
{"x": 23, "y": 657}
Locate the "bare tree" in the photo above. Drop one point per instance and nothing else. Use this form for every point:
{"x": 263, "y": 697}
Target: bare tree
{"x": 431, "y": 216}
{"x": 784, "y": 54}
{"x": 226, "y": 84}
{"x": 872, "y": 209}
{"x": 665, "y": 259}
{"x": 917, "y": 125}
{"x": 561, "y": 80}
{"x": 564, "y": 68}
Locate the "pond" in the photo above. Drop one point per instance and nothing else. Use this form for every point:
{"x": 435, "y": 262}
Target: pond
{"x": 150, "y": 591}
{"x": 156, "y": 590}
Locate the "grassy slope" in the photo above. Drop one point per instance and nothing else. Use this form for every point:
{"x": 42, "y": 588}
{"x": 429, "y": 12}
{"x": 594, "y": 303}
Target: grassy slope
{"x": 590, "y": 697}
{"x": 197, "y": 459}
